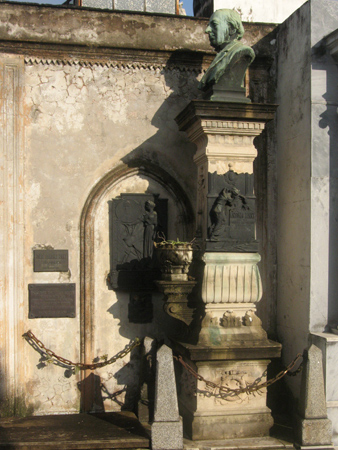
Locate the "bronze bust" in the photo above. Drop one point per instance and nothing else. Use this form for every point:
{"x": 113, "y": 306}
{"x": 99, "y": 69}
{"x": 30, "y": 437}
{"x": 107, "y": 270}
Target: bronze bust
{"x": 224, "y": 79}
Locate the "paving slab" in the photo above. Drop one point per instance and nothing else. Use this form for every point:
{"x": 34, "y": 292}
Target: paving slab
{"x": 263, "y": 443}
{"x": 119, "y": 430}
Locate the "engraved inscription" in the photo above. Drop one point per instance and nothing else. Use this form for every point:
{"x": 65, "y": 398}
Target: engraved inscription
{"x": 51, "y": 300}
{"x": 50, "y": 260}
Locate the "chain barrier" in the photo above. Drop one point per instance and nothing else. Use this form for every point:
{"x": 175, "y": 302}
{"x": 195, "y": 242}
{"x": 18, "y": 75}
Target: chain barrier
{"x": 257, "y": 385}
{"x": 29, "y": 336}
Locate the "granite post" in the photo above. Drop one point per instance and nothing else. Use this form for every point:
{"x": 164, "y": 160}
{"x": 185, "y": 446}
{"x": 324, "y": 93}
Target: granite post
{"x": 167, "y": 429}
{"x": 232, "y": 349}
{"x": 314, "y": 429}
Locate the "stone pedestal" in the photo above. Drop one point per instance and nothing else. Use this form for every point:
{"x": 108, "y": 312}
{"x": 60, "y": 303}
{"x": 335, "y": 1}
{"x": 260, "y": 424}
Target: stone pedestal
{"x": 232, "y": 348}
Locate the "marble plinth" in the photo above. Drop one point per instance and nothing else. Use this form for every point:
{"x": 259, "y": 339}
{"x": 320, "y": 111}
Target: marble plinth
{"x": 208, "y": 414}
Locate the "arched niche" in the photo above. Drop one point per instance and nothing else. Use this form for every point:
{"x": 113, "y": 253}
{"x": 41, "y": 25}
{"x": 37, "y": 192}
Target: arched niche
{"x": 104, "y": 325}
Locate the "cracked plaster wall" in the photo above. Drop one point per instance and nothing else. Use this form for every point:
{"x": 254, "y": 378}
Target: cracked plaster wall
{"x": 81, "y": 123}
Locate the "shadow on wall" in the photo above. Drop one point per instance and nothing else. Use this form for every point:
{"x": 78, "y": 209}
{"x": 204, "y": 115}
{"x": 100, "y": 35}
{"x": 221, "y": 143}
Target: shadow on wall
{"x": 140, "y": 313}
{"x": 325, "y": 164}
{"x": 160, "y": 148}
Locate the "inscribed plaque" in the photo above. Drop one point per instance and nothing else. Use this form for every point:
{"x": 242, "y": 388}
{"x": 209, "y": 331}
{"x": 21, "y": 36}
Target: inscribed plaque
{"x": 51, "y": 300}
{"x": 50, "y": 260}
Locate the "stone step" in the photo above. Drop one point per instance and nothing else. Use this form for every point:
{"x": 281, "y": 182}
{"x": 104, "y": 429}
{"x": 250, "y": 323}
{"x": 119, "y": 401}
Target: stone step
{"x": 119, "y": 430}
{"x": 262, "y": 443}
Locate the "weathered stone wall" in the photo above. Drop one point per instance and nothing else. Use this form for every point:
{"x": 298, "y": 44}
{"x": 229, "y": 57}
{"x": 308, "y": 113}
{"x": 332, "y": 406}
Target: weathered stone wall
{"x": 86, "y": 121}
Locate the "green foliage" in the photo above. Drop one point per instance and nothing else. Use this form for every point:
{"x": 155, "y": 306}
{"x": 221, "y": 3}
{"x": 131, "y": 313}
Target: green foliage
{"x": 170, "y": 243}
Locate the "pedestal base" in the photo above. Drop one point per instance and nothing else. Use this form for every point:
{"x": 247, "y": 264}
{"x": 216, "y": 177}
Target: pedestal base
{"x": 212, "y": 414}
{"x": 233, "y": 426}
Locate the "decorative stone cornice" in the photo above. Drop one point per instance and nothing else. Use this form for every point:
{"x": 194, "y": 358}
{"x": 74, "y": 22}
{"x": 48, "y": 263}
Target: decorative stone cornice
{"x": 31, "y": 60}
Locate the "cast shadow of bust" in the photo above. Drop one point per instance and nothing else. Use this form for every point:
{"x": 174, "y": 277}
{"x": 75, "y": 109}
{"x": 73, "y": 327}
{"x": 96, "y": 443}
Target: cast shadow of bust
{"x": 181, "y": 80}
{"x": 162, "y": 150}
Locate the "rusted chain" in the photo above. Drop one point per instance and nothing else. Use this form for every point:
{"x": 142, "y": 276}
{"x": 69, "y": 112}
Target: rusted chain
{"x": 253, "y": 387}
{"x": 81, "y": 366}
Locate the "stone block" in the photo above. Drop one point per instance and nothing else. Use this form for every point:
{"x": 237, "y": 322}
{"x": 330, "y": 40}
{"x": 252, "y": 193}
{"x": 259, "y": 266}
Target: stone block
{"x": 233, "y": 426}
{"x": 129, "y": 5}
{"x": 208, "y": 414}
{"x": 167, "y": 435}
{"x": 102, "y": 4}
{"x": 314, "y": 432}
{"x": 161, "y": 6}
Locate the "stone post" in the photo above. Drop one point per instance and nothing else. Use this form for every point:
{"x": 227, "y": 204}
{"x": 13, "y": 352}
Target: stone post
{"x": 232, "y": 348}
{"x": 166, "y": 430}
{"x": 314, "y": 429}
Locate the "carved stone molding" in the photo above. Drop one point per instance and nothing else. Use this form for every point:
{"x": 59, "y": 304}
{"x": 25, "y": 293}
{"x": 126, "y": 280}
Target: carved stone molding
{"x": 231, "y": 278}
{"x": 12, "y": 218}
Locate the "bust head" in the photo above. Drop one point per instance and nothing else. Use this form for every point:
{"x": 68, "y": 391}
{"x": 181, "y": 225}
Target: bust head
{"x": 224, "y": 26}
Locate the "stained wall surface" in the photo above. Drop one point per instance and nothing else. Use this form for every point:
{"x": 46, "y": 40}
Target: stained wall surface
{"x": 307, "y": 187}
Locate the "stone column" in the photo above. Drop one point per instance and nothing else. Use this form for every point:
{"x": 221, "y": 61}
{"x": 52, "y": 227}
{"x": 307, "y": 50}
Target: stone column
{"x": 232, "y": 348}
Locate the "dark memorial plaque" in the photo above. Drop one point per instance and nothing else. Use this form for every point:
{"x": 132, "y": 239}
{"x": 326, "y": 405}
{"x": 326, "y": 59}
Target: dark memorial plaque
{"x": 51, "y": 300}
{"x": 50, "y": 260}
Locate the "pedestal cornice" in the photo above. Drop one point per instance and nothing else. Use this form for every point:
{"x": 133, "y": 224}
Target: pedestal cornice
{"x": 235, "y": 351}
{"x": 209, "y": 110}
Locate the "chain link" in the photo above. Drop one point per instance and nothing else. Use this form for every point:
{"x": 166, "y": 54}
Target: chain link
{"x": 81, "y": 366}
{"x": 254, "y": 387}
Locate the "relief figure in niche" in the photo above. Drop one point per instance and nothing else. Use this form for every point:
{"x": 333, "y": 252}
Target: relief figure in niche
{"x": 150, "y": 228}
{"x": 227, "y": 200}
{"x": 135, "y": 220}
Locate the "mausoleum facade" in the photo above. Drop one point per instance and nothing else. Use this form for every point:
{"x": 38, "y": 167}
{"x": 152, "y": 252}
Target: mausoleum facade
{"x": 94, "y": 160}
